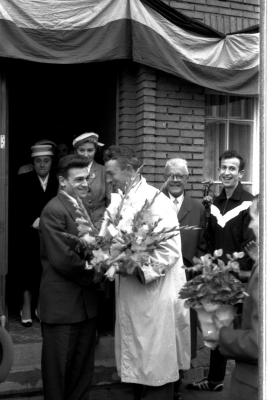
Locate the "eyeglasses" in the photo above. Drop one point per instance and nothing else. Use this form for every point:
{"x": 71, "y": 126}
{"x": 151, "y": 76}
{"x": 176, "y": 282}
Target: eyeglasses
{"x": 177, "y": 177}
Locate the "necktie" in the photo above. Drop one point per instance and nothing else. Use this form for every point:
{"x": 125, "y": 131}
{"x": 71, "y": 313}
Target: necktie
{"x": 176, "y": 204}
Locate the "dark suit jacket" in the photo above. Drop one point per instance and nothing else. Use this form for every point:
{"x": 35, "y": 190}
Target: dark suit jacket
{"x": 32, "y": 196}
{"x": 190, "y": 213}
{"x": 95, "y": 201}
{"x": 67, "y": 293}
{"x": 31, "y": 199}
{"x": 242, "y": 344}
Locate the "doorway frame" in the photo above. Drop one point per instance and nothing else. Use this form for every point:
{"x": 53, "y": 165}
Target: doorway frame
{"x": 4, "y": 189}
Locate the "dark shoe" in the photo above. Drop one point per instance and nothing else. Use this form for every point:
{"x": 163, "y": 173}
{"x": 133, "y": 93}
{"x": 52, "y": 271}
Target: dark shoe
{"x": 27, "y": 323}
{"x": 205, "y": 384}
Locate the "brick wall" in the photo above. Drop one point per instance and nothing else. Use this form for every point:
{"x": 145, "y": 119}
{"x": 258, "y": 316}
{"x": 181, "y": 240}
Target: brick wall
{"x": 180, "y": 124}
{"x": 163, "y": 117}
{"x": 224, "y": 16}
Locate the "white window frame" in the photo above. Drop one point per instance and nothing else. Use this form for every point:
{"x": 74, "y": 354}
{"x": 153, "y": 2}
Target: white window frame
{"x": 254, "y": 182}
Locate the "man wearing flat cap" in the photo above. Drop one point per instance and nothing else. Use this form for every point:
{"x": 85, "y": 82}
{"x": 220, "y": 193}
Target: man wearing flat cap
{"x": 86, "y": 145}
{"x": 34, "y": 190}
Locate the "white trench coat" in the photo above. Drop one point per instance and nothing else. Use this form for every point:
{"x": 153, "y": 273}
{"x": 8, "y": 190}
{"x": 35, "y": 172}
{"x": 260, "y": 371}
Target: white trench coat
{"x": 152, "y": 332}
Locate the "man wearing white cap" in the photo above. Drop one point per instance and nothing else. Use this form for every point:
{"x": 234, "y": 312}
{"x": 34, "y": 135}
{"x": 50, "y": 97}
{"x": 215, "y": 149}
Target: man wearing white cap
{"x": 86, "y": 145}
{"x": 35, "y": 189}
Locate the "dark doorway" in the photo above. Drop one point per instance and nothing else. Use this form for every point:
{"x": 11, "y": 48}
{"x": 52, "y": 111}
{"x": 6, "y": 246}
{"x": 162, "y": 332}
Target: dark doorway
{"x": 56, "y": 102}
{"x": 59, "y": 102}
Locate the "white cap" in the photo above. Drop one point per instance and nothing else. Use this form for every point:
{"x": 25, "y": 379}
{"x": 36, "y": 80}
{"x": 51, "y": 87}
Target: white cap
{"x": 41, "y": 150}
{"x": 46, "y": 141}
{"x": 93, "y": 138}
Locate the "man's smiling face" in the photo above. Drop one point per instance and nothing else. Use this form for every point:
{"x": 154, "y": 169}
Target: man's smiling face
{"x": 229, "y": 172}
{"x": 75, "y": 184}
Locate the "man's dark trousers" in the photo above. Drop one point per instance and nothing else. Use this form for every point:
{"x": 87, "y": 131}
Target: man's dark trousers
{"x": 68, "y": 359}
{"x": 217, "y": 366}
{"x": 164, "y": 392}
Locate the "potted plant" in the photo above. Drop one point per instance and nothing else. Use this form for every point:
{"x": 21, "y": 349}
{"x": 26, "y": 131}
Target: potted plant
{"x": 214, "y": 290}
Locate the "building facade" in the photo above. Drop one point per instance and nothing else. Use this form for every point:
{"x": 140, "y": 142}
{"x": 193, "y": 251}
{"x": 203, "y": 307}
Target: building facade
{"x": 161, "y": 115}
{"x": 166, "y": 117}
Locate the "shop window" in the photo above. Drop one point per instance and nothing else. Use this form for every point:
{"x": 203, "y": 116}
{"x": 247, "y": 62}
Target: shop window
{"x": 231, "y": 123}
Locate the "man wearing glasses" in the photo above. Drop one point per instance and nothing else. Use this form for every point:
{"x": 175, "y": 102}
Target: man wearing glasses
{"x": 190, "y": 212}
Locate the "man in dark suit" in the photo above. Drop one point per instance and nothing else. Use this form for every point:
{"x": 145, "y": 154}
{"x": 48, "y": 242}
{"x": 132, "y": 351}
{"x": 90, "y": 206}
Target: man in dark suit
{"x": 68, "y": 297}
{"x": 190, "y": 212}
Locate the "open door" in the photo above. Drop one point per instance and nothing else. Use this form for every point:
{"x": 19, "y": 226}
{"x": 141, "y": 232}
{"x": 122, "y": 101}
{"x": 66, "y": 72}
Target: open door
{"x": 56, "y": 102}
{"x": 3, "y": 189}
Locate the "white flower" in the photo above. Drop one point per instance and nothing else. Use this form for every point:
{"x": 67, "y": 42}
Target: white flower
{"x": 218, "y": 253}
{"x": 237, "y": 255}
{"x": 99, "y": 256}
{"x": 206, "y": 260}
{"x": 113, "y": 231}
{"x": 88, "y": 266}
{"x": 126, "y": 225}
{"x": 110, "y": 274}
{"x": 143, "y": 230}
{"x": 88, "y": 239}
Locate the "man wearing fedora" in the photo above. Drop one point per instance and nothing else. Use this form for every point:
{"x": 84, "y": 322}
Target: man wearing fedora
{"x": 68, "y": 296}
{"x": 34, "y": 190}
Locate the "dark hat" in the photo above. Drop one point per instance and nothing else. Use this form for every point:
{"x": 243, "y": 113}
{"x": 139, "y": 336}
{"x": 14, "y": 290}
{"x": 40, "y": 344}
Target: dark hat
{"x": 6, "y": 358}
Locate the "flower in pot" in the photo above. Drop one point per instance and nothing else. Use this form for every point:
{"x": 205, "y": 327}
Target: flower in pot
{"x": 214, "y": 290}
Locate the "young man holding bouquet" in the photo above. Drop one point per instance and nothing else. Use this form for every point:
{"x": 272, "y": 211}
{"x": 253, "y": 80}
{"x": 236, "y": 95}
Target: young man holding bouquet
{"x": 228, "y": 229}
{"x": 152, "y": 337}
{"x": 242, "y": 344}
{"x": 68, "y": 297}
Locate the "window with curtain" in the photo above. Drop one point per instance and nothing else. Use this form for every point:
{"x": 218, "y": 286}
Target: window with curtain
{"x": 230, "y": 124}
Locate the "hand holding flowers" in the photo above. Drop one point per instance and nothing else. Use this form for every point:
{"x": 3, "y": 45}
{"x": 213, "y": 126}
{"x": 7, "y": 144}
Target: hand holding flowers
{"x": 214, "y": 292}
{"x": 128, "y": 238}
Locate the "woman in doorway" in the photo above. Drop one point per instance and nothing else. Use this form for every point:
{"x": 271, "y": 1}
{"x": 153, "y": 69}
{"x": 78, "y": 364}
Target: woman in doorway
{"x": 35, "y": 189}
{"x": 86, "y": 145}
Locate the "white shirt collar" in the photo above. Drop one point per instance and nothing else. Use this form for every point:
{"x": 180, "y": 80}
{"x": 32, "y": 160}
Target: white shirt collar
{"x": 90, "y": 166}
{"x": 179, "y": 199}
{"x": 71, "y": 198}
{"x": 44, "y": 182}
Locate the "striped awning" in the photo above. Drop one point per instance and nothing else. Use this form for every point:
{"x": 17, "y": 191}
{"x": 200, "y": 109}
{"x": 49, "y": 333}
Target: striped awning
{"x": 144, "y": 31}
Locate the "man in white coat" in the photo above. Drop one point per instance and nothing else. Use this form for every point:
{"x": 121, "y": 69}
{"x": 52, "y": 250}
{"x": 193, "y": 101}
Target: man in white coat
{"x": 152, "y": 333}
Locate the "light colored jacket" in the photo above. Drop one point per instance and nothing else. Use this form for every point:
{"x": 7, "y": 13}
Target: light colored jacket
{"x": 152, "y": 334}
